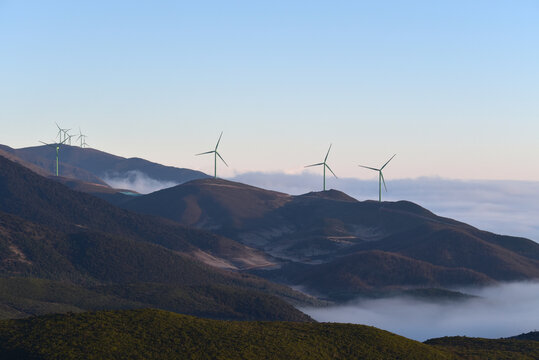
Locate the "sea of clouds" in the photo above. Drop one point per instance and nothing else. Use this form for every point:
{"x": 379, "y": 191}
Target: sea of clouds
{"x": 499, "y": 311}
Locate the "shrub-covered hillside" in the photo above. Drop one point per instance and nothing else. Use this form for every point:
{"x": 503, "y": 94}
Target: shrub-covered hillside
{"x": 155, "y": 334}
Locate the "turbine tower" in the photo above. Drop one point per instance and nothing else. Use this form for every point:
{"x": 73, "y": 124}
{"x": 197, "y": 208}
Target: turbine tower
{"x": 57, "y": 147}
{"x": 215, "y": 155}
{"x": 324, "y": 165}
{"x": 380, "y": 177}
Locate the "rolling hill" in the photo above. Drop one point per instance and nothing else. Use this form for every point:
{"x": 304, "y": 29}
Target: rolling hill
{"x": 151, "y": 334}
{"x": 154, "y": 334}
{"x": 332, "y": 243}
{"x": 70, "y": 238}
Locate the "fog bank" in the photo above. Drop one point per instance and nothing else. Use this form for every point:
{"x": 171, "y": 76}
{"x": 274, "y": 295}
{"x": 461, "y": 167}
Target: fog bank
{"x": 501, "y": 311}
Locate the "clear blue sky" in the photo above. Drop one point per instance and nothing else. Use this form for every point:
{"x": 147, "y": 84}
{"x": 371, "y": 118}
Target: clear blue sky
{"x": 451, "y": 86}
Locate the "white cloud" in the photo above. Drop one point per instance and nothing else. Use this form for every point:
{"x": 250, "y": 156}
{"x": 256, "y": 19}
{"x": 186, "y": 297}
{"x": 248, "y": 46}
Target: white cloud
{"x": 501, "y": 311}
{"x": 136, "y": 181}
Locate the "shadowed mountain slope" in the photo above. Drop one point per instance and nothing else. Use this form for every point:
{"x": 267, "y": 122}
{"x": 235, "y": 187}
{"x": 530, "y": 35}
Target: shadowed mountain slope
{"x": 58, "y": 234}
{"x": 376, "y": 269}
{"x": 39, "y": 200}
{"x": 327, "y": 232}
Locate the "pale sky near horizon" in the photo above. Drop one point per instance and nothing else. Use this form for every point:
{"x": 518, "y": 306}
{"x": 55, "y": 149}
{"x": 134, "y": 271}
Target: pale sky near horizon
{"x": 452, "y": 87}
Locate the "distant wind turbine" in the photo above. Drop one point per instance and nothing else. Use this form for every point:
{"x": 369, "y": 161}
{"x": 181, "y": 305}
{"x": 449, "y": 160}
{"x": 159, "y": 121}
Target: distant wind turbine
{"x": 215, "y": 155}
{"x": 324, "y": 165}
{"x": 68, "y": 137}
{"x": 62, "y": 133}
{"x": 82, "y": 139}
{"x": 380, "y": 177}
{"x": 57, "y": 147}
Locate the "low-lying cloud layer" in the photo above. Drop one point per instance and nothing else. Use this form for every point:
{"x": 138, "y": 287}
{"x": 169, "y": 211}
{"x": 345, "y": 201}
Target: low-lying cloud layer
{"x": 137, "y": 181}
{"x": 504, "y": 207}
{"x": 501, "y": 311}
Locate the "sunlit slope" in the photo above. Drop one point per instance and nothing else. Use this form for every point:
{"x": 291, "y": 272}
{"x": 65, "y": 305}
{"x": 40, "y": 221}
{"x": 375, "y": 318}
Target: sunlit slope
{"x": 151, "y": 334}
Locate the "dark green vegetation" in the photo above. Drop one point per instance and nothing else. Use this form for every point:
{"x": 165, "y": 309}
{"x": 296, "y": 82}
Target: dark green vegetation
{"x": 152, "y": 334}
{"x": 155, "y": 334}
{"x": 104, "y": 257}
{"x": 477, "y": 348}
{"x": 340, "y": 247}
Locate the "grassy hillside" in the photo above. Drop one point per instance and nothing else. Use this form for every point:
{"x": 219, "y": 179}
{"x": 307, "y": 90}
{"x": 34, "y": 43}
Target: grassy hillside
{"x": 152, "y": 334}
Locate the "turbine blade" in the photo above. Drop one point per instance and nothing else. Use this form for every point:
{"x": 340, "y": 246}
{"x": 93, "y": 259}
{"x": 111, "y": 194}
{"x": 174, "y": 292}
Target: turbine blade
{"x": 367, "y": 167}
{"x": 382, "y": 168}
{"x": 325, "y": 159}
{"x": 218, "y": 141}
{"x": 315, "y": 165}
{"x": 207, "y": 152}
{"x": 383, "y": 180}
{"x": 221, "y": 158}
{"x": 331, "y": 170}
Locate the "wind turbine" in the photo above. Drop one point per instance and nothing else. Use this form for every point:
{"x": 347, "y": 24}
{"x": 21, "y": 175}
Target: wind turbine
{"x": 68, "y": 137}
{"x": 324, "y": 165}
{"x": 57, "y": 147}
{"x": 60, "y": 132}
{"x": 380, "y": 177}
{"x": 215, "y": 155}
{"x": 82, "y": 139}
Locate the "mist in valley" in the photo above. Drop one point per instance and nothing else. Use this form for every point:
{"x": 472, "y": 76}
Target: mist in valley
{"x": 136, "y": 181}
{"x": 499, "y": 311}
